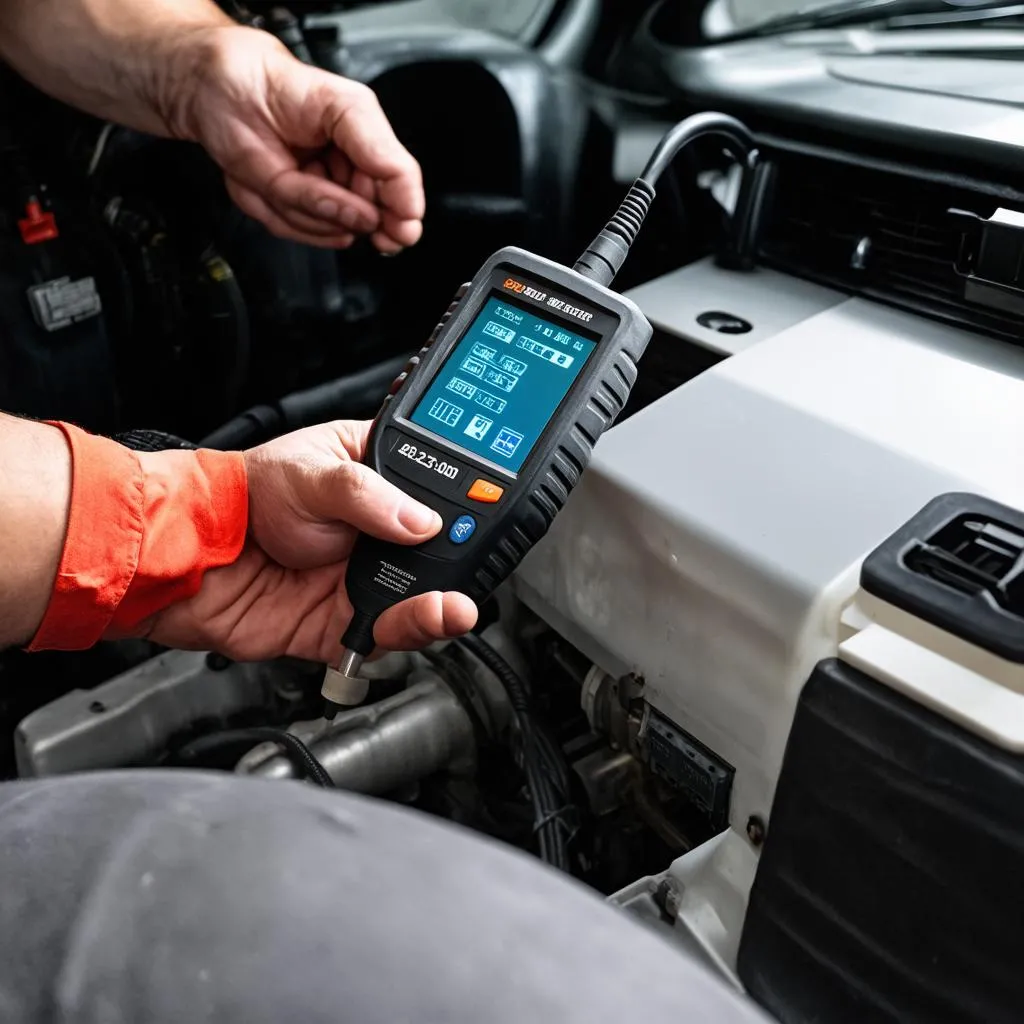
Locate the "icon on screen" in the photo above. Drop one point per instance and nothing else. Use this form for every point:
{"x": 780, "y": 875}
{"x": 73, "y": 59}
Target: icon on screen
{"x": 511, "y": 365}
{"x": 506, "y": 442}
{"x": 473, "y": 366}
{"x": 508, "y": 314}
{"x": 496, "y": 330}
{"x": 502, "y": 381}
{"x": 552, "y": 355}
{"x": 447, "y": 413}
{"x": 461, "y": 387}
{"x": 484, "y": 351}
{"x": 490, "y": 402}
{"x": 478, "y": 427}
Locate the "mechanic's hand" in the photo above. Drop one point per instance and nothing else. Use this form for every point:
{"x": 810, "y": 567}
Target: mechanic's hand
{"x": 306, "y": 152}
{"x": 308, "y": 497}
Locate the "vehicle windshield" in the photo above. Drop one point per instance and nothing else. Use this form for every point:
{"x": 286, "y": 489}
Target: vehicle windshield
{"x": 733, "y": 18}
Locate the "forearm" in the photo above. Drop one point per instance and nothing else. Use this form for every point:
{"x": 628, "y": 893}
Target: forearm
{"x": 35, "y": 494}
{"x": 121, "y": 60}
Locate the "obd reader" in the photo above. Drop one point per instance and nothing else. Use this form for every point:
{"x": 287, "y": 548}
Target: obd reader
{"x": 494, "y": 421}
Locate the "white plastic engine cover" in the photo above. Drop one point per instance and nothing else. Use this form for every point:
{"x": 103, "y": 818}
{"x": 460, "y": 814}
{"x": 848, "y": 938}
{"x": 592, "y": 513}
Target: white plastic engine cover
{"x": 718, "y": 533}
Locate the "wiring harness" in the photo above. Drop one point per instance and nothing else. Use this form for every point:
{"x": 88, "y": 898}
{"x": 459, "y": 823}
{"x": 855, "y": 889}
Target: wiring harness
{"x": 547, "y": 772}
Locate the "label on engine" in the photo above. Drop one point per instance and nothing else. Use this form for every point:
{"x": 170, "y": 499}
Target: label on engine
{"x": 62, "y": 302}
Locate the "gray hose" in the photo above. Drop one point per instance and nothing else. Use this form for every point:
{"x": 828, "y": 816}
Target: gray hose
{"x": 356, "y": 396}
{"x": 382, "y": 747}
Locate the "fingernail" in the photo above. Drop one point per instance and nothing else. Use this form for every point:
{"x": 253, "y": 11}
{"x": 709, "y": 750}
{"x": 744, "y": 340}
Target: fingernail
{"x": 327, "y": 208}
{"x": 418, "y": 518}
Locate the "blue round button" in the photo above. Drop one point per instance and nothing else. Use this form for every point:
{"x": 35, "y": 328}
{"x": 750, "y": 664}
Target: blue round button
{"x": 462, "y": 529}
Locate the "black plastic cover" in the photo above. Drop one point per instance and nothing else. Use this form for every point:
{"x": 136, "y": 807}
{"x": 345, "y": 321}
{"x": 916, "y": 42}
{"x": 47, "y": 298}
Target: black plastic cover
{"x": 959, "y": 564}
{"x": 890, "y": 884}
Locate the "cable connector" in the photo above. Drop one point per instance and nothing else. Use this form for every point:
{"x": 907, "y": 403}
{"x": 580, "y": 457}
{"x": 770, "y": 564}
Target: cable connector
{"x": 38, "y": 225}
{"x": 605, "y": 255}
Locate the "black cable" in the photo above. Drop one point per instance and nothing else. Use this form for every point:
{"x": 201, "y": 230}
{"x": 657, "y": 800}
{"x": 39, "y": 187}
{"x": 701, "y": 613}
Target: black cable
{"x": 519, "y": 697}
{"x": 294, "y": 749}
{"x": 350, "y": 397}
{"x": 542, "y": 761}
{"x": 604, "y": 257}
{"x": 507, "y": 675}
{"x": 739, "y": 143}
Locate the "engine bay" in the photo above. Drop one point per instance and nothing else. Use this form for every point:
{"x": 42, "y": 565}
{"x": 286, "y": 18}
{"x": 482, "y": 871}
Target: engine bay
{"x": 757, "y": 723}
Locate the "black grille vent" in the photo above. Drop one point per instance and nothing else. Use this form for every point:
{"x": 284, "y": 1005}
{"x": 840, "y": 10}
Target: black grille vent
{"x": 883, "y": 235}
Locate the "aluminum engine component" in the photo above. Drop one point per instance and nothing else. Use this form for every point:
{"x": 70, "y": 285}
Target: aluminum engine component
{"x": 380, "y": 748}
{"x": 130, "y": 719}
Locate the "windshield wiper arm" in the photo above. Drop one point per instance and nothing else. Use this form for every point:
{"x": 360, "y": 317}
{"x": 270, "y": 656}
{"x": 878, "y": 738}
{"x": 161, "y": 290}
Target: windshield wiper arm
{"x": 839, "y": 13}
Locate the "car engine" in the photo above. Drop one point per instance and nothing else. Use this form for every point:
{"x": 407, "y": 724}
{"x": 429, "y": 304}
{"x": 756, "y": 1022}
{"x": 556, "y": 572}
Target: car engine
{"x": 766, "y": 667}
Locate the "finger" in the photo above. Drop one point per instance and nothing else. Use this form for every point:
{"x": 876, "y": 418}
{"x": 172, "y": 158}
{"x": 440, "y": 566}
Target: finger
{"x": 339, "y": 169}
{"x": 423, "y": 620}
{"x": 363, "y": 185}
{"x": 397, "y": 234}
{"x": 305, "y": 223}
{"x": 325, "y": 201}
{"x": 354, "y": 494}
{"x": 353, "y": 435}
{"x": 318, "y": 168}
{"x": 361, "y": 130}
{"x": 257, "y": 208}
{"x": 385, "y": 244}
{"x": 267, "y": 168}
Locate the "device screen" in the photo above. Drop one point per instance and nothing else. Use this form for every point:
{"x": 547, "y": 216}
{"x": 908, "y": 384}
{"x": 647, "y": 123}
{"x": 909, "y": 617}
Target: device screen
{"x": 502, "y": 383}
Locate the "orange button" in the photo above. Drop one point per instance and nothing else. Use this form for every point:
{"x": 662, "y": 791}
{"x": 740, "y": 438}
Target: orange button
{"x": 484, "y": 490}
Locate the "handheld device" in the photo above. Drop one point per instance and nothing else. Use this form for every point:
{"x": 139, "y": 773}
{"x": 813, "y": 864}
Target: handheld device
{"x": 494, "y": 421}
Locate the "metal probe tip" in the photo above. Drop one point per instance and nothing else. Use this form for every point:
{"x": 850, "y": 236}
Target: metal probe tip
{"x": 343, "y": 686}
{"x": 350, "y": 663}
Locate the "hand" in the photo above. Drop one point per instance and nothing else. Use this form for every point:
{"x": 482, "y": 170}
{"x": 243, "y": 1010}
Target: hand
{"x": 308, "y": 497}
{"x": 307, "y": 153}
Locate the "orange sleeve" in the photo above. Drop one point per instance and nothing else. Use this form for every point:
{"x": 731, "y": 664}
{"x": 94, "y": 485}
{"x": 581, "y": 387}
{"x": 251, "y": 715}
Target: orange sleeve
{"x": 143, "y": 529}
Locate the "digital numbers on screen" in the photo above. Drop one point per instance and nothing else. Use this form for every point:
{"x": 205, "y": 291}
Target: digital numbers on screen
{"x": 502, "y": 383}
{"x": 422, "y": 458}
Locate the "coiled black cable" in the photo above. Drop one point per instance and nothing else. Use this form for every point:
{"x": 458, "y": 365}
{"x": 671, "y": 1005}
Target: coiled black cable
{"x": 295, "y": 750}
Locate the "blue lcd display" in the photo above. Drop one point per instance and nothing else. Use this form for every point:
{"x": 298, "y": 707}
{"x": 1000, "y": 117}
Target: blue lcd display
{"x": 502, "y": 384}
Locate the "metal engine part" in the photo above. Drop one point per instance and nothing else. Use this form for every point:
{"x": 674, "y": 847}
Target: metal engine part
{"x": 130, "y": 719}
{"x": 382, "y": 747}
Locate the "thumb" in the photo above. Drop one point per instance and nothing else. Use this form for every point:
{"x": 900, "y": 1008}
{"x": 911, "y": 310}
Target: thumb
{"x": 355, "y": 494}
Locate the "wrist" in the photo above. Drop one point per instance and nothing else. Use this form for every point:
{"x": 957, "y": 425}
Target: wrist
{"x": 195, "y": 513}
{"x": 142, "y": 531}
{"x": 191, "y": 65}
{"x": 36, "y": 479}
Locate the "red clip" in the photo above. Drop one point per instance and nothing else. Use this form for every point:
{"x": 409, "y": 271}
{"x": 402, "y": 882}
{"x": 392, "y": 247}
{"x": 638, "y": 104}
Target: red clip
{"x": 37, "y": 225}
